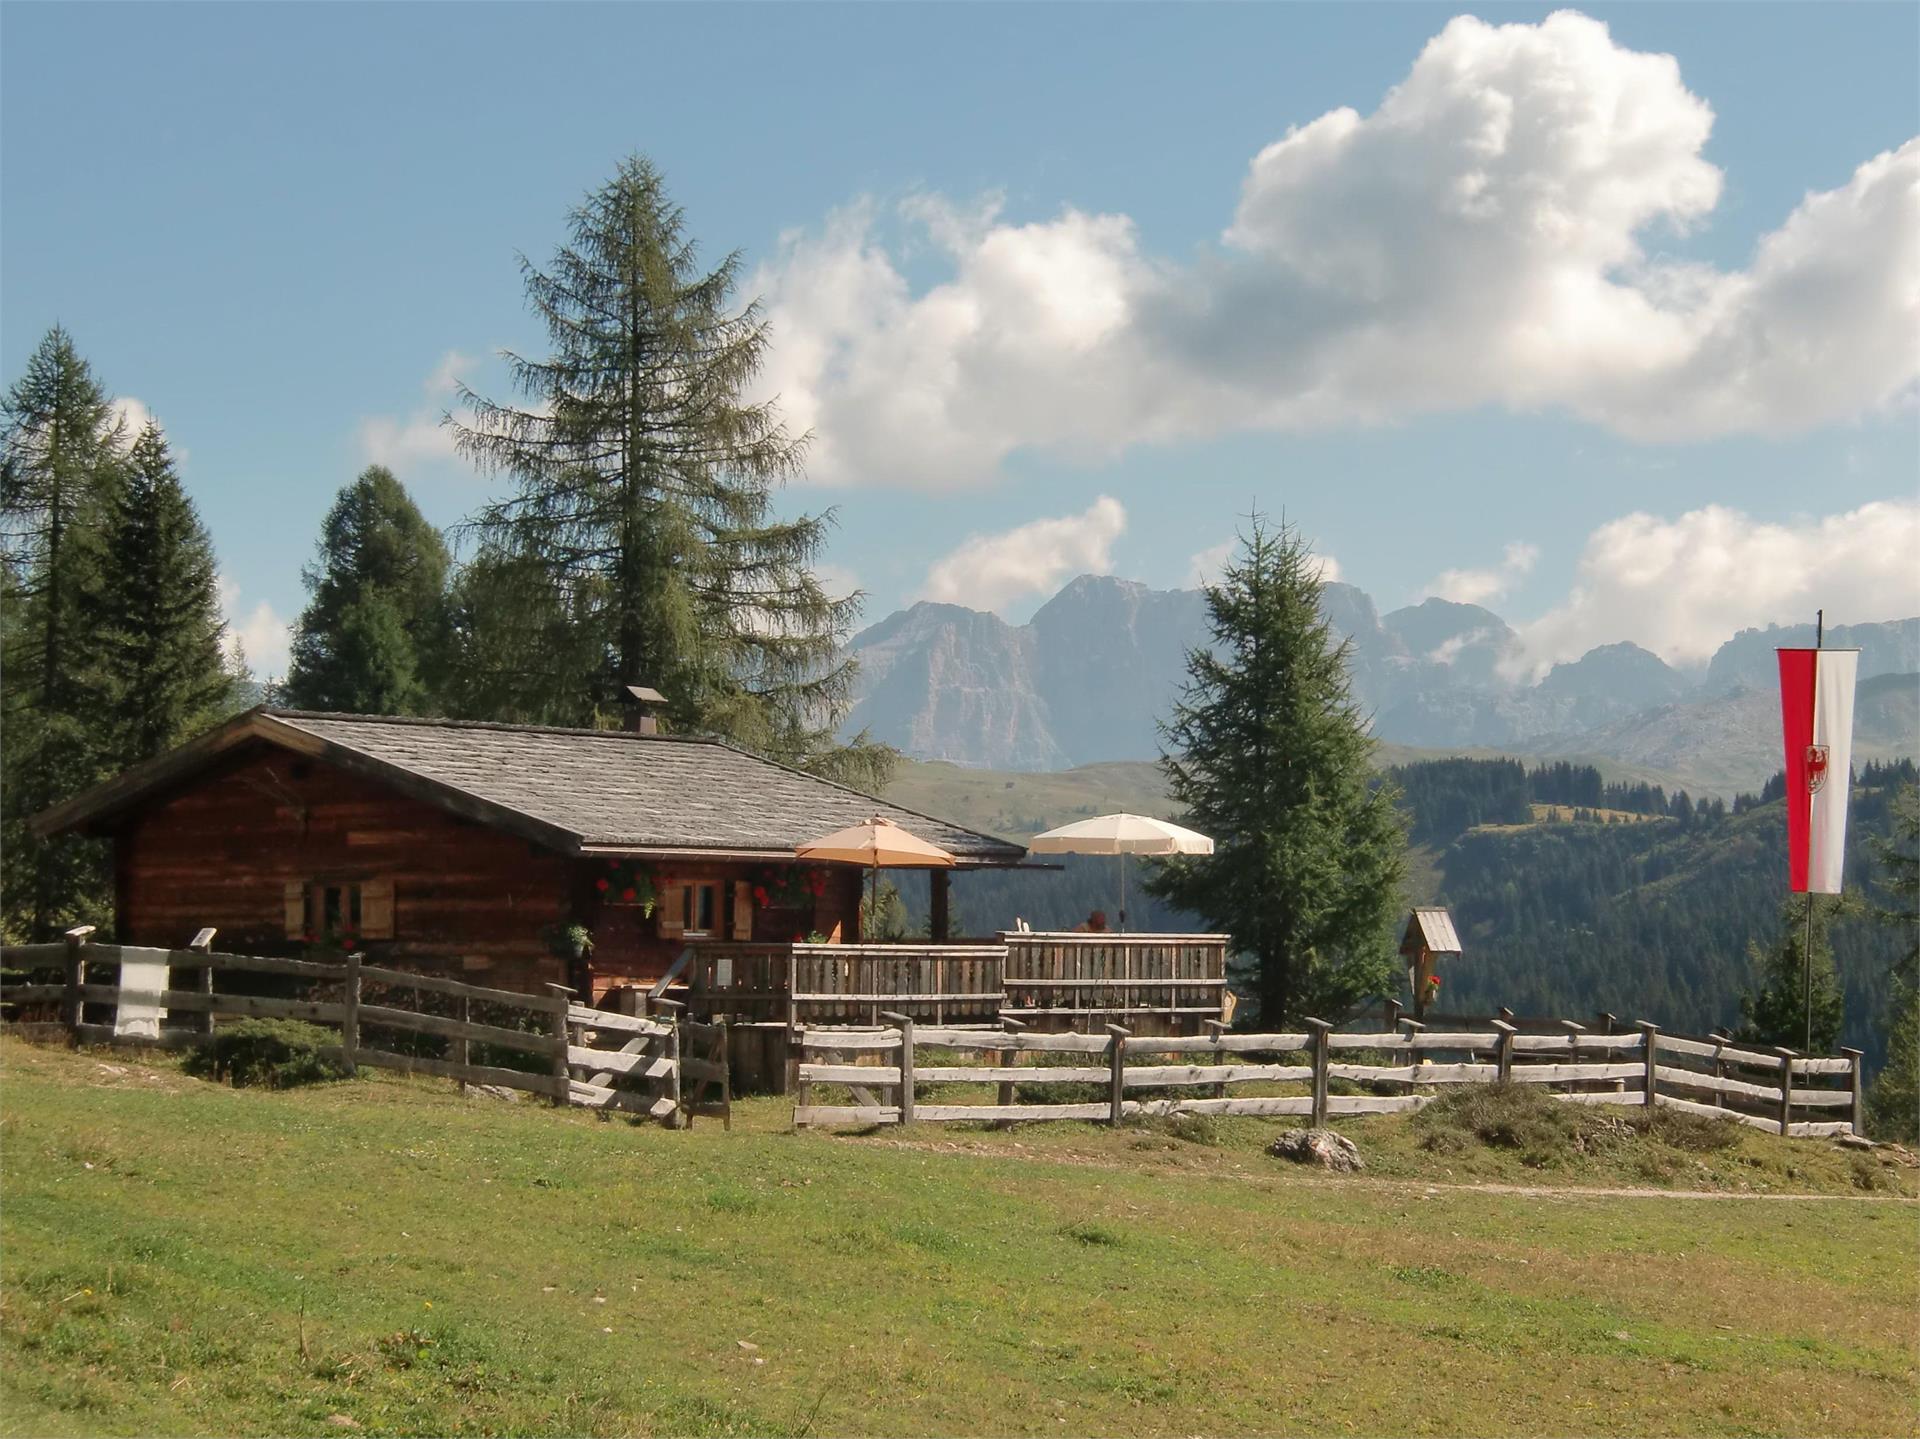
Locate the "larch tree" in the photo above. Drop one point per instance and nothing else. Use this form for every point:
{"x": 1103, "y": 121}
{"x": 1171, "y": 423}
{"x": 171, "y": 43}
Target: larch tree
{"x": 160, "y": 669}
{"x": 1267, "y": 753}
{"x": 643, "y": 484}
{"x": 372, "y": 637}
{"x": 60, "y": 469}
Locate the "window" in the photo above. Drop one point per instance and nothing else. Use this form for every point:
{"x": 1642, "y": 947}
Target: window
{"x": 702, "y": 913}
{"x": 333, "y": 909}
{"x": 323, "y": 909}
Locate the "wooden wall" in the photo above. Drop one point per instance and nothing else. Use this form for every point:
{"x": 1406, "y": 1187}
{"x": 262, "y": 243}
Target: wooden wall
{"x": 467, "y": 899}
{"x": 629, "y": 950}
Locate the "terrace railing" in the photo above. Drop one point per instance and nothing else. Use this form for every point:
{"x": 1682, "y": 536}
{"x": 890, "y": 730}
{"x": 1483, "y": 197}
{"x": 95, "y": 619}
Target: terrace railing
{"x": 798, "y": 984}
{"x": 1083, "y": 981}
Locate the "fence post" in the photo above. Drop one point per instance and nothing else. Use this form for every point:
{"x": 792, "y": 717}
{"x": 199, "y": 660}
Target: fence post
{"x": 797, "y": 1084}
{"x": 71, "y": 1005}
{"x": 1116, "y": 1073}
{"x": 562, "y": 1031}
{"x": 201, "y": 943}
{"x": 1317, "y": 1029}
{"x": 1574, "y": 1030}
{"x": 1786, "y": 1088}
{"x": 680, "y": 1119}
{"x": 1649, "y": 1033}
{"x": 1720, "y": 1040}
{"x": 1008, "y": 1059}
{"x": 1503, "y": 1055}
{"x": 350, "y": 1017}
{"x": 1857, "y": 1116}
{"x": 462, "y": 1046}
{"x": 1392, "y": 1016}
{"x": 906, "y": 1063}
{"x": 1609, "y": 1023}
{"x": 1214, "y": 1030}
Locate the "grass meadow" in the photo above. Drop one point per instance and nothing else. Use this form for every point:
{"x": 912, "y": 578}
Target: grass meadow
{"x": 382, "y": 1256}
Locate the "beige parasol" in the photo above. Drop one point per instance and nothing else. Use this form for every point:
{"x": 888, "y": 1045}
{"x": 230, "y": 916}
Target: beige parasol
{"x": 879, "y": 844}
{"x": 1121, "y": 834}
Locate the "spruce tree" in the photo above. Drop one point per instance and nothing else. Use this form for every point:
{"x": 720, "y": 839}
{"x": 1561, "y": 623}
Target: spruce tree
{"x": 372, "y": 638}
{"x": 1894, "y": 1103}
{"x": 513, "y": 649}
{"x": 160, "y": 669}
{"x": 59, "y": 474}
{"x": 1268, "y": 755}
{"x": 643, "y": 487}
{"x": 1774, "y": 1010}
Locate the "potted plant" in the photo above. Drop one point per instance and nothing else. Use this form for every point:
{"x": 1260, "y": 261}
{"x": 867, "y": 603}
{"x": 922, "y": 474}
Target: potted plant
{"x": 570, "y": 941}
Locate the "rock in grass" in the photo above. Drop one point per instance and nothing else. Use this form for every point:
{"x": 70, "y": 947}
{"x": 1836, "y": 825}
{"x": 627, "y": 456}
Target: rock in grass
{"x": 1318, "y": 1146}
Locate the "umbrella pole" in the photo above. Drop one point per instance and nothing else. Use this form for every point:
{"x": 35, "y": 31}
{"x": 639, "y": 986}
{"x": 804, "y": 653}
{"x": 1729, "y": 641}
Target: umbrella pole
{"x": 1123, "y": 891}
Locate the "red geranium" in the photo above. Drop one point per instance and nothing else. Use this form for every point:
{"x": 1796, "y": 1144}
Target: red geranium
{"x": 602, "y": 883}
{"x": 627, "y": 893}
{"x": 760, "y": 893}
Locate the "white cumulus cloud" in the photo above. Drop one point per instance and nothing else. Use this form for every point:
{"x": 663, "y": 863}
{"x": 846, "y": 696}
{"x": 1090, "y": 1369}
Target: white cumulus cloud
{"x": 263, "y": 634}
{"x": 1477, "y": 587}
{"x": 398, "y": 442}
{"x": 1680, "y": 586}
{"x": 1488, "y": 235}
{"x": 990, "y": 571}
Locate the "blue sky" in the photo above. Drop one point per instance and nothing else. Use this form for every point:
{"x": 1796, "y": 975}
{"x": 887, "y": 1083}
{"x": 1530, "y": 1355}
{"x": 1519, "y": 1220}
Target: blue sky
{"x": 275, "y": 226}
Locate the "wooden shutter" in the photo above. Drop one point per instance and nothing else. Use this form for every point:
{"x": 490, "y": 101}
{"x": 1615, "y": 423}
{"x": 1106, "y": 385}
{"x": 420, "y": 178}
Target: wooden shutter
{"x": 376, "y": 908}
{"x": 295, "y": 894}
{"x": 672, "y": 911}
{"x": 742, "y": 909}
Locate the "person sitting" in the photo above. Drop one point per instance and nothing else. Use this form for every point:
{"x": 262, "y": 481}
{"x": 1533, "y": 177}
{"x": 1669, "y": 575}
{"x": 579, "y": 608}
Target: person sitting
{"x": 1096, "y": 922}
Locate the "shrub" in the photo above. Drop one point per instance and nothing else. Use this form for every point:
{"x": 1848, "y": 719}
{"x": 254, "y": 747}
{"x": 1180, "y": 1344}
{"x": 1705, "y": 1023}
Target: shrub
{"x": 277, "y": 1053}
{"x": 1680, "y": 1130}
{"x": 1502, "y": 1116}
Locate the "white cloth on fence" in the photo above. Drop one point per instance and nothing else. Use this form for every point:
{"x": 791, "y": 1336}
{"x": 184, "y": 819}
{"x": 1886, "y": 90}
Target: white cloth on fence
{"x": 142, "y": 982}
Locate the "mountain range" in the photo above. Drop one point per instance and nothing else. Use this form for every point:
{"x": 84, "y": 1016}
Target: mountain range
{"x": 1086, "y": 679}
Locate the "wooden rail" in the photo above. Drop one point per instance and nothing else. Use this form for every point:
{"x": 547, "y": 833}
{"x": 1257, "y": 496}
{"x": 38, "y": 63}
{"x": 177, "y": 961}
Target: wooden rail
{"x": 1400, "y": 1070}
{"x": 575, "y": 1055}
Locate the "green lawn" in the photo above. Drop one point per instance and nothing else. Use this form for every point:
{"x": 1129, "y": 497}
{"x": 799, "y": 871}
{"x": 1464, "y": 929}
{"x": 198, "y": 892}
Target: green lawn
{"x": 184, "y": 1258}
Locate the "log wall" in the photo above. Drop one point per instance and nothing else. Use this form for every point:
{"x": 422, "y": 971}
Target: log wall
{"x": 467, "y": 899}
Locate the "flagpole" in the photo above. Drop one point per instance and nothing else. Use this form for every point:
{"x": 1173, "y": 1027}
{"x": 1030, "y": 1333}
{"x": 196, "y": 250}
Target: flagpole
{"x": 1806, "y": 942}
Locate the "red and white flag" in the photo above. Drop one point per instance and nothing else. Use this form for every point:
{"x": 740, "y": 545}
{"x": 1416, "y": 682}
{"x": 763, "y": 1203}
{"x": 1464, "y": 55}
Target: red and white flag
{"x": 1816, "y": 718}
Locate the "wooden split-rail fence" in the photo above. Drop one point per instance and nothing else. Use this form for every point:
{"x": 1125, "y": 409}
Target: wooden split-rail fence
{"x": 665, "y": 1066}
{"x": 882, "y": 1071}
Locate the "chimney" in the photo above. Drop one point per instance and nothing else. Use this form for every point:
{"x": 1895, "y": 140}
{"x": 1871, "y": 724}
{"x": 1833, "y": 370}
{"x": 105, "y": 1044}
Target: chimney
{"x": 643, "y": 705}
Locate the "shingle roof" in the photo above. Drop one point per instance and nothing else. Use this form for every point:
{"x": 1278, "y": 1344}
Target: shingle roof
{"x": 612, "y": 788}
{"x": 577, "y": 788}
{"x": 1434, "y": 927}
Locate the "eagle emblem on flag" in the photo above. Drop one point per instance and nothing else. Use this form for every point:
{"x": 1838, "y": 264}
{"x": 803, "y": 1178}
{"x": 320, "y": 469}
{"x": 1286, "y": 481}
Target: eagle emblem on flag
{"x": 1816, "y": 767}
